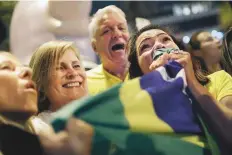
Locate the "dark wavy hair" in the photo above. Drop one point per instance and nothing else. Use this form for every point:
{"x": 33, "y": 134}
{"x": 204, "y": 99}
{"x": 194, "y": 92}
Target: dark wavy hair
{"x": 194, "y": 45}
{"x": 135, "y": 70}
{"x": 226, "y": 61}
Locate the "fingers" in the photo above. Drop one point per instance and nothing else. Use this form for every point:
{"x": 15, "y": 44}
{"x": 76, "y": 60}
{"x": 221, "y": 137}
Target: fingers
{"x": 160, "y": 61}
{"x": 181, "y": 57}
{"x": 80, "y": 134}
{"x": 76, "y": 139}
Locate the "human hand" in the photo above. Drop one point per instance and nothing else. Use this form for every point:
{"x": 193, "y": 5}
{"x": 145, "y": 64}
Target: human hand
{"x": 76, "y": 139}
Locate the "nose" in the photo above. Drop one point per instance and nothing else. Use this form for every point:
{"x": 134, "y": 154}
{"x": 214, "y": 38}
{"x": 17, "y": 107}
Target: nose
{"x": 25, "y": 73}
{"x": 71, "y": 73}
{"x": 158, "y": 45}
{"x": 117, "y": 33}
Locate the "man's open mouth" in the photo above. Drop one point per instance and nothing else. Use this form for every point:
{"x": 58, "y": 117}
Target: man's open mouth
{"x": 118, "y": 47}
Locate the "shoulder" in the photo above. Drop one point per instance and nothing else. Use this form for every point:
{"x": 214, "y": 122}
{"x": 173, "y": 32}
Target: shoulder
{"x": 220, "y": 85}
{"x": 40, "y": 126}
{"x": 219, "y": 75}
{"x": 96, "y": 73}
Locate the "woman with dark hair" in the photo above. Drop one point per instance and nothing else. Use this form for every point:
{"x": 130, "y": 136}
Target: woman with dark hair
{"x": 213, "y": 93}
{"x": 205, "y": 51}
{"x": 227, "y": 52}
{"x": 135, "y": 70}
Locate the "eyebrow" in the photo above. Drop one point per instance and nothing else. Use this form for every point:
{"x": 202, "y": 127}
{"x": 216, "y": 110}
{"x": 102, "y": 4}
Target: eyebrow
{"x": 142, "y": 42}
{"x": 9, "y": 62}
{"x": 73, "y": 62}
{"x": 107, "y": 26}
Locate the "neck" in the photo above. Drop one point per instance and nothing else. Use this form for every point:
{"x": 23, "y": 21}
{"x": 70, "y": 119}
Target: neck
{"x": 212, "y": 67}
{"x": 53, "y": 108}
{"x": 119, "y": 70}
{"x": 17, "y": 117}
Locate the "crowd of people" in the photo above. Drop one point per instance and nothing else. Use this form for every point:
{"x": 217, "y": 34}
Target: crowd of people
{"x": 29, "y": 96}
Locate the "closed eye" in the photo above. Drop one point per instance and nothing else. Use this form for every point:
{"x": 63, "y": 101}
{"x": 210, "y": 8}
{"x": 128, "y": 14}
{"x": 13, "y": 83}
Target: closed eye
{"x": 166, "y": 39}
{"x": 76, "y": 66}
{"x": 105, "y": 31}
{"x": 121, "y": 28}
{"x": 60, "y": 68}
{"x": 145, "y": 47}
{"x": 7, "y": 66}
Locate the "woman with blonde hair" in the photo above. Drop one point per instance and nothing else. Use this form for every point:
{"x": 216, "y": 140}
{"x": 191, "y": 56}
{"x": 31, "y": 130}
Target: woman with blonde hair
{"x": 57, "y": 70}
{"x": 18, "y": 93}
{"x": 18, "y": 122}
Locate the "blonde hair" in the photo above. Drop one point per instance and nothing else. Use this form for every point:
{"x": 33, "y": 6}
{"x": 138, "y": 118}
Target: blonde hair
{"x": 43, "y": 60}
{"x": 94, "y": 23}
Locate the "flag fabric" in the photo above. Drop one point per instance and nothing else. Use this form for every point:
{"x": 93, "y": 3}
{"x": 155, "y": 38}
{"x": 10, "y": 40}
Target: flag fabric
{"x": 151, "y": 115}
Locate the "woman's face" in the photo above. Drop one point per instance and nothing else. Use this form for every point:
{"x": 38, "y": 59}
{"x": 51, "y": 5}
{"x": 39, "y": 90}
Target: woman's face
{"x": 17, "y": 91}
{"x": 210, "y": 46}
{"x": 147, "y": 43}
{"x": 67, "y": 81}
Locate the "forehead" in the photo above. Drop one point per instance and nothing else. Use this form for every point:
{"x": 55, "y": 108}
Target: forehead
{"x": 203, "y": 36}
{"x": 149, "y": 34}
{"x": 4, "y": 58}
{"x": 69, "y": 55}
{"x": 111, "y": 18}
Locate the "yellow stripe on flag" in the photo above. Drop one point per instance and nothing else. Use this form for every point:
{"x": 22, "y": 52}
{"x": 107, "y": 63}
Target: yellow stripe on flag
{"x": 140, "y": 113}
{"x": 139, "y": 109}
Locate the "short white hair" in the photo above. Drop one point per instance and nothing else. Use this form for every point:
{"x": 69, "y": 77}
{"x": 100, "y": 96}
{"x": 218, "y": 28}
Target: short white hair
{"x": 93, "y": 25}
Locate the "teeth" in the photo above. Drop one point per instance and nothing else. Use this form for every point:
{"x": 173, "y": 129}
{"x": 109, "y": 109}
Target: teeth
{"x": 75, "y": 84}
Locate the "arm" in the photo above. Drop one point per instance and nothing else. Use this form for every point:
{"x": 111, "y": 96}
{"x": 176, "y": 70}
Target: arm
{"x": 218, "y": 113}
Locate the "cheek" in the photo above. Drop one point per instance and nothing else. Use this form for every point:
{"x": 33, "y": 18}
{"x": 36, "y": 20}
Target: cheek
{"x": 126, "y": 36}
{"x": 105, "y": 39}
{"x": 9, "y": 82}
{"x": 8, "y": 91}
{"x": 145, "y": 61}
{"x": 83, "y": 74}
{"x": 172, "y": 45}
{"x": 55, "y": 82}
{"x": 102, "y": 44}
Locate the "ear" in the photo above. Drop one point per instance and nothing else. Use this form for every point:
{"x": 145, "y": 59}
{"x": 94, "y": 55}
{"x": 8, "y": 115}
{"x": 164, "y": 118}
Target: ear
{"x": 93, "y": 44}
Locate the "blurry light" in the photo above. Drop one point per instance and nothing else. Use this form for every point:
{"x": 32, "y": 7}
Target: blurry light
{"x": 43, "y": 3}
{"x": 177, "y": 10}
{"x": 219, "y": 35}
{"x": 195, "y": 9}
{"x": 186, "y": 11}
{"x": 214, "y": 33}
{"x": 186, "y": 39}
{"x": 55, "y": 23}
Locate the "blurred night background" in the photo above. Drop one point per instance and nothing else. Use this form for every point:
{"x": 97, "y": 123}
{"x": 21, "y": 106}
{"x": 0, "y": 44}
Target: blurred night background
{"x": 183, "y": 17}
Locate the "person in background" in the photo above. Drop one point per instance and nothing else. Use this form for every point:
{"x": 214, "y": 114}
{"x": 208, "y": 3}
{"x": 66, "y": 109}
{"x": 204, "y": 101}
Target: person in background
{"x": 109, "y": 35}
{"x": 212, "y": 92}
{"x": 18, "y": 108}
{"x": 206, "y": 51}
{"x": 60, "y": 77}
{"x": 18, "y": 93}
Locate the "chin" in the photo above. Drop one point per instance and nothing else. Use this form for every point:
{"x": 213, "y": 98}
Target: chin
{"x": 32, "y": 110}
{"x": 76, "y": 97}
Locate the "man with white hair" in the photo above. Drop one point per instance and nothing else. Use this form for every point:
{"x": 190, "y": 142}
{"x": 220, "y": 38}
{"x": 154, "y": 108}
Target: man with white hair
{"x": 109, "y": 34}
